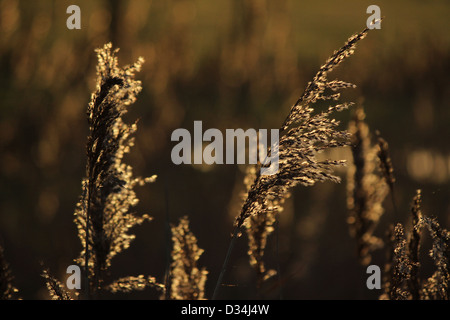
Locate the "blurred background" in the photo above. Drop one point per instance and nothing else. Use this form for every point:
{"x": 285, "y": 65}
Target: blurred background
{"x": 231, "y": 64}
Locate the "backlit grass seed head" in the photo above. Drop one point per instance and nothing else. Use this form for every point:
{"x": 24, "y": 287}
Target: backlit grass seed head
{"x": 401, "y": 266}
{"x": 404, "y": 279}
{"x": 55, "y": 288}
{"x": 188, "y": 280}
{"x": 366, "y": 190}
{"x": 414, "y": 245}
{"x": 103, "y": 214}
{"x": 259, "y": 227}
{"x": 385, "y": 161}
{"x": 134, "y": 283}
{"x": 438, "y": 285}
{"x": 303, "y": 135}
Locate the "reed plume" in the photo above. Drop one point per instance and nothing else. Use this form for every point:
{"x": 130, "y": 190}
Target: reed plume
{"x": 132, "y": 283}
{"x": 401, "y": 271}
{"x": 303, "y": 135}
{"x": 437, "y": 287}
{"x": 55, "y": 288}
{"x": 414, "y": 245}
{"x": 385, "y": 161}
{"x": 366, "y": 189}
{"x": 386, "y": 166}
{"x": 188, "y": 280}
{"x": 388, "y": 265}
{"x": 404, "y": 281}
{"x": 103, "y": 215}
{"x": 258, "y": 228}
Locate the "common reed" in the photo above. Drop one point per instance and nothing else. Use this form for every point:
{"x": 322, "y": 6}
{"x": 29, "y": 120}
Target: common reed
{"x": 385, "y": 161}
{"x": 187, "y": 279}
{"x": 55, "y": 288}
{"x": 303, "y": 135}
{"x": 132, "y": 283}
{"x": 437, "y": 287}
{"x": 258, "y": 228}
{"x": 104, "y": 218}
{"x": 386, "y": 166}
{"x": 366, "y": 189}
{"x": 401, "y": 266}
{"x": 103, "y": 215}
{"x": 414, "y": 245}
{"x": 404, "y": 280}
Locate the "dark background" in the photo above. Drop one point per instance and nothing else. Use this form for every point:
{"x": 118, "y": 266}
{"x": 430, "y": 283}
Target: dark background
{"x": 231, "y": 64}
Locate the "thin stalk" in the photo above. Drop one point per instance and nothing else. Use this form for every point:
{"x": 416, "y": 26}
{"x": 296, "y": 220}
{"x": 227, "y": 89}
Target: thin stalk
{"x": 225, "y": 263}
{"x": 168, "y": 239}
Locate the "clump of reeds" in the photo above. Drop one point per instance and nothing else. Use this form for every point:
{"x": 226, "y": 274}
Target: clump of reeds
{"x": 403, "y": 280}
{"x": 103, "y": 215}
{"x": 187, "y": 279}
{"x": 302, "y": 136}
{"x": 366, "y": 188}
{"x": 7, "y": 290}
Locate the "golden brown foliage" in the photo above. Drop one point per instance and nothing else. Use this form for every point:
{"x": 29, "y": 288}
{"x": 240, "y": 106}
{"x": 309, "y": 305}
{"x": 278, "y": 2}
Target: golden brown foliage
{"x": 414, "y": 245}
{"x": 385, "y": 161}
{"x": 403, "y": 281}
{"x": 129, "y": 284}
{"x": 258, "y": 228}
{"x": 55, "y": 288}
{"x": 103, "y": 214}
{"x": 302, "y": 136}
{"x": 366, "y": 189}
{"x": 188, "y": 281}
{"x": 437, "y": 287}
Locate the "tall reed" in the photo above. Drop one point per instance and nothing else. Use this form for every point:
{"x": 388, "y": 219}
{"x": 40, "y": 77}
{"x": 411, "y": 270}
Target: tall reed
{"x": 404, "y": 280}
{"x": 366, "y": 189}
{"x": 103, "y": 214}
{"x": 187, "y": 279}
{"x": 303, "y": 135}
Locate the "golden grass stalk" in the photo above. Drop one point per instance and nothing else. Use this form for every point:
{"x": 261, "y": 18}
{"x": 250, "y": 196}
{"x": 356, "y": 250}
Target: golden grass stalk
{"x": 437, "y": 287}
{"x": 103, "y": 214}
{"x": 258, "y": 228}
{"x": 403, "y": 281}
{"x": 386, "y": 166}
{"x": 414, "y": 246}
{"x": 366, "y": 190}
{"x": 303, "y": 135}
{"x": 187, "y": 279}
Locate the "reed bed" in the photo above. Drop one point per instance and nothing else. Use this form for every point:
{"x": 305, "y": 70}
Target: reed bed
{"x": 105, "y": 215}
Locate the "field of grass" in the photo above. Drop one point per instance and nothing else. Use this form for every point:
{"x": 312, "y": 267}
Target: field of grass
{"x": 231, "y": 64}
